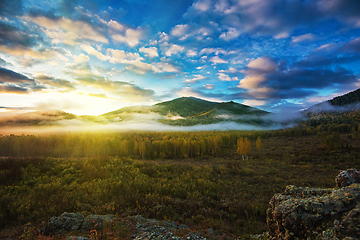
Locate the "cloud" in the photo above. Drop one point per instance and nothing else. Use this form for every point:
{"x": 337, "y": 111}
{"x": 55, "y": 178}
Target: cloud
{"x": 81, "y": 58}
{"x": 224, "y": 77}
{"x": 351, "y": 47}
{"x": 174, "y": 49}
{"x": 202, "y": 5}
{"x": 17, "y": 83}
{"x": 272, "y": 17}
{"x": 209, "y": 86}
{"x": 215, "y": 51}
{"x": 57, "y": 83}
{"x": 217, "y": 59}
{"x": 125, "y": 91}
{"x": 67, "y": 31}
{"x": 179, "y": 30}
{"x": 304, "y": 38}
{"x": 9, "y": 76}
{"x": 265, "y": 78}
{"x": 151, "y": 51}
{"x": 13, "y": 89}
{"x": 230, "y": 34}
{"x": 116, "y": 26}
{"x": 132, "y": 37}
{"x": 195, "y": 79}
{"x": 92, "y": 51}
{"x": 37, "y": 54}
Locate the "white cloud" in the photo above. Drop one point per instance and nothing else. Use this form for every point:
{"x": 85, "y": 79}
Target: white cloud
{"x": 216, "y": 51}
{"x": 224, "y": 77}
{"x": 202, "y": 5}
{"x": 265, "y": 64}
{"x": 254, "y": 102}
{"x": 116, "y": 26}
{"x": 166, "y": 67}
{"x": 92, "y": 51}
{"x": 67, "y": 31}
{"x": 231, "y": 33}
{"x": 191, "y": 53}
{"x": 151, "y": 51}
{"x": 230, "y": 70}
{"x": 132, "y": 37}
{"x": 195, "y": 79}
{"x": 216, "y": 60}
{"x": 179, "y": 30}
{"x": 303, "y": 38}
{"x": 209, "y": 86}
{"x": 174, "y": 49}
{"x": 81, "y": 58}
{"x": 120, "y": 56}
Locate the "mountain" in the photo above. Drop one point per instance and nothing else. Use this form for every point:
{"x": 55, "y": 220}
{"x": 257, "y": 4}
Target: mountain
{"x": 186, "y": 111}
{"x": 346, "y": 102}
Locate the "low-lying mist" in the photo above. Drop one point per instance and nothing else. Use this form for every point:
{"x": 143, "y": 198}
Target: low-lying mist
{"x": 66, "y": 126}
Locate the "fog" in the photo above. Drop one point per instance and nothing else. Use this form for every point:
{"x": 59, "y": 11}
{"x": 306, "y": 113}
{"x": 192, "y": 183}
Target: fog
{"x": 65, "y": 126}
{"x": 326, "y": 107}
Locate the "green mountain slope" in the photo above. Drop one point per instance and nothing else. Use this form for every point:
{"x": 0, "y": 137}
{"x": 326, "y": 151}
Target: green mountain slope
{"x": 347, "y": 99}
{"x": 346, "y": 102}
{"x": 186, "y": 111}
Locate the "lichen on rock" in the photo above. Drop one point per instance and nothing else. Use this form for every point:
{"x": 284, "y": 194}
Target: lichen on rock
{"x": 310, "y": 213}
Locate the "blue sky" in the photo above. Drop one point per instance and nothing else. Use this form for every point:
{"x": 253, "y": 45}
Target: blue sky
{"x": 92, "y": 57}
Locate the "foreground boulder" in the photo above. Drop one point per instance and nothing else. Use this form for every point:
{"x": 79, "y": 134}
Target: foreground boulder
{"x": 347, "y": 177}
{"x": 70, "y": 222}
{"x": 310, "y": 213}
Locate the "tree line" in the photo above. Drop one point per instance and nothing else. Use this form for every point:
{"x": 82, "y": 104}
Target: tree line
{"x": 145, "y": 145}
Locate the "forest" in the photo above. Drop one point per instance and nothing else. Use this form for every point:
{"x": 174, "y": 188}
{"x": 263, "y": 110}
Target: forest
{"x": 221, "y": 180}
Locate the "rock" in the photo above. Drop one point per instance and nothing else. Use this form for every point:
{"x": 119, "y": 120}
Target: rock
{"x": 152, "y": 229}
{"x": 67, "y": 222}
{"x": 347, "y": 177}
{"x": 310, "y": 213}
{"x": 77, "y": 238}
{"x": 70, "y": 222}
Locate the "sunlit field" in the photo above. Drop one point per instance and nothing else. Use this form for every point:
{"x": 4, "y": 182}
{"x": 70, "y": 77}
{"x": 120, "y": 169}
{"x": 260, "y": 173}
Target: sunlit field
{"x": 194, "y": 178}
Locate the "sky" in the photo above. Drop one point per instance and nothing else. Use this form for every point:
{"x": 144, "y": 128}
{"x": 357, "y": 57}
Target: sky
{"x": 91, "y": 57}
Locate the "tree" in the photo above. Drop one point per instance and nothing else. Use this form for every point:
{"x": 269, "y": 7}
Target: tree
{"x": 259, "y": 144}
{"x": 244, "y": 148}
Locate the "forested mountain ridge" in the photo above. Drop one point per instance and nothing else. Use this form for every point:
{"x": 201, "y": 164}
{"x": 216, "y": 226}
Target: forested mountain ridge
{"x": 184, "y": 111}
{"x": 191, "y": 107}
{"x": 347, "y": 99}
{"x": 188, "y": 111}
{"x": 346, "y": 102}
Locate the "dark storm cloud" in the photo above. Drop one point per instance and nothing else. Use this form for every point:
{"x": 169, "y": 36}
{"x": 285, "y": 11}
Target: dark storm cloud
{"x": 7, "y": 75}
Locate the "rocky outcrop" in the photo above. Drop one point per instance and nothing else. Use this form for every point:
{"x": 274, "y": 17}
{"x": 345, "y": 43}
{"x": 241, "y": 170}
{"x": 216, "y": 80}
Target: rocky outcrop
{"x": 146, "y": 229}
{"x": 152, "y": 229}
{"x": 347, "y": 177}
{"x": 71, "y": 222}
{"x": 311, "y": 213}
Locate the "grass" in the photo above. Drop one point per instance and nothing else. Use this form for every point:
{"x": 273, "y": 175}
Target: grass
{"x": 219, "y": 191}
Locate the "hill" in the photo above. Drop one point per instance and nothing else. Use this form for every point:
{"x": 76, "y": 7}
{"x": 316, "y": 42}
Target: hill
{"x": 187, "y": 111}
{"x": 346, "y": 102}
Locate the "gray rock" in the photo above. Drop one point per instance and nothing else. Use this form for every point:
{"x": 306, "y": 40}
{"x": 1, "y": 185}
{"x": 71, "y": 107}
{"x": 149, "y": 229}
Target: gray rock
{"x": 308, "y": 213}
